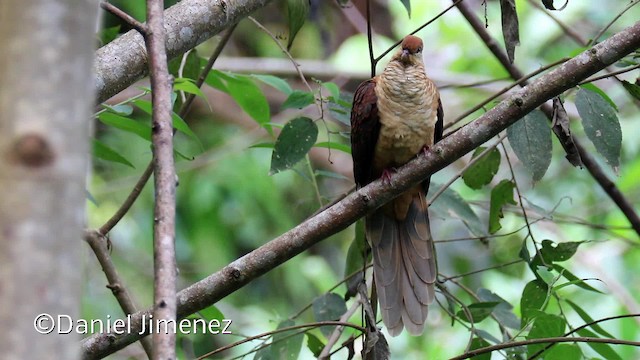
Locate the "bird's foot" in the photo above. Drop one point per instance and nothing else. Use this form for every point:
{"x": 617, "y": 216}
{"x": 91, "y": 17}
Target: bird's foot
{"x": 387, "y": 173}
{"x": 425, "y": 149}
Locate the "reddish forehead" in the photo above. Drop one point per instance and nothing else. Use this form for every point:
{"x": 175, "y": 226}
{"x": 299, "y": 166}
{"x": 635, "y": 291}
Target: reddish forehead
{"x": 412, "y": 43}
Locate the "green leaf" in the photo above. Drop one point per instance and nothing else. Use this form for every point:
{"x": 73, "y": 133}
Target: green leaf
{"x": 177, "y": 122}
{"x": 479, "y": 343}
{"x": 293, "y": 143}
{"x": 597, "y": 90}
{"x": 331, "y": 174}
{"x": 450, "y": 203}
{"x": 188, "y": 86}
{"x": 298, "y": 99}
{"x": 552, "y": 252}
{"x": 603, "y": 349}
{"x": 545, "y": 326}
{"x": 533, "y": 298}
{"x": 212, "y": 313}
{"x": 334, "y": 90}
{"x": 632, "y": 89}
{"x": 482, "y": 172}
{"x": 340, "y": 109}
{"x": 503, "y": 312}
{"x": 191, "y": 68}
{"x": 314, "y": 344}
{"x": 334, "y": 146}
{"x": 510, "y": 27}
{"x": 407, "y": 5}
{"x": 478, "y": 311}
{"x": 530, "y": 139}
{"x": 328, "y": 307}
{"x": 126, "y": 124}
{"x": 571, "y": 277}
{"x": 297, "y": 14}
{"x": 588, "y": 319}
{"x": 564, "y": 352}
{"x": 263, "y": 145}
{"x": 501, "y": 195}
{"x": 102, "y": 151}
{"x": 251, "y": 99}
{"x": 107, "y": 35}
{"x": 601, "y": 125}
{"x": 123, "y": 109}
{"x": 275, "y": 82}
{"x": 286, "y": 345}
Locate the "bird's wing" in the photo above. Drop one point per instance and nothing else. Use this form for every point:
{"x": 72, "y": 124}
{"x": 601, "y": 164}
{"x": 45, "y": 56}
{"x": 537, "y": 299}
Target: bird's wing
{"x": 365, "y": 128}
{"x": 437, "y": 135}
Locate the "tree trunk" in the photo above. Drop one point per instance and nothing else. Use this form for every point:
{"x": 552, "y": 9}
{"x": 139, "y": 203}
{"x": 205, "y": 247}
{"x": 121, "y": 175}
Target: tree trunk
{"x": 46, "y": 95}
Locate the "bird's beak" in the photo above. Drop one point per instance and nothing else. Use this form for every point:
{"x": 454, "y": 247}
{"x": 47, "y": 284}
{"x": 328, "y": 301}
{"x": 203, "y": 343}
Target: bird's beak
{"x": 405, "y": 55}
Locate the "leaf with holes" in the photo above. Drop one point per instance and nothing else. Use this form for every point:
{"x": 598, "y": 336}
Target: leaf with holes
{"x": 298, "y": 10}
{"x": 501, "y": 195}
{"x": 293, "y": 143}
{"x": 482, "y": 172}
{"x": 530, "y": 139}
{"x": 533, "y": 298}
{"x": 328, "y": 307}
{"x": 545, "y": 326}
{"x": 601, "y": 125}
{"x": 552, "y": 252}
{"x": 286, "y": 344}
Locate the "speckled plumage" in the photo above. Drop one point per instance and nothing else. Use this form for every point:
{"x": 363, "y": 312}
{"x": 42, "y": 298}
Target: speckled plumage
{"x": 394, "y": 116}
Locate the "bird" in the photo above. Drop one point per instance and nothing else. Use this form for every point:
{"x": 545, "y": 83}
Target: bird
{"x": 395, "y": 117}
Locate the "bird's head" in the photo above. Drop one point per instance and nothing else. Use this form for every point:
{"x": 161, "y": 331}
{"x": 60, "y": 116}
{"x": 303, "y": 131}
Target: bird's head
{"x": 411, "y": 50}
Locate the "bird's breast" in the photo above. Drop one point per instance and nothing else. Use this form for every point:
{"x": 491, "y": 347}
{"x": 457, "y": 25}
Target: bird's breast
{"x": 407, "y": 106}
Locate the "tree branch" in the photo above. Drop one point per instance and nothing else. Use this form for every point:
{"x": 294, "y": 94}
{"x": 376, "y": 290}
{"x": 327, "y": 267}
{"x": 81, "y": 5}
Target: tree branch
{"x": 339, "y": 216}
{"x": 164, "y": 259}
{"x": 587, "y": 160}
{"x": 187, "y": 24}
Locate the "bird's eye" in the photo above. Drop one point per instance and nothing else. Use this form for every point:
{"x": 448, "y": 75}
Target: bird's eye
{"x": 419, "y": 51}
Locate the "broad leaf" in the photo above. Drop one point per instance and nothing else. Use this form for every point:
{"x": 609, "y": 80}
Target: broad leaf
{"x": 126, "y": 124}
{"x": 298, "y": 99}
{"x": 545, "y": 326}
{"x": 533, "y": 298}
{"x": 530, "y": 139}
{"x": 479, "y": 343}
{"x": 564, "y": 352}
{"x": 298, "y": 10}
{"x": 407, "y": 5}
{"x": 451, "y": 204}
{"x": 334, "y": 146}
{"x": 478, "y": 311}
{"x": 274, "y": 82}
{"x": 601, "y": 125}
{"x": 632, "y": 89}
{"x": 571, "y": 277}
{"x": 102, "y": 151}
{"x": 286, "y": 345}
{"x": 603, "y": 349}
{"x": 328, "y": 307}
{"x": 314, "y": 344}
{"x": 588, "y": 319}
{"x": 334, "y": 90}
{"x": 501, "y": 195}
{"x": 482, "y": 172}
{"x": 293, "y": 143}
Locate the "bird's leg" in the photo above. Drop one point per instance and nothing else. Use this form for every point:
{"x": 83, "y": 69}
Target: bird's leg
{"x": 386, "y": 174}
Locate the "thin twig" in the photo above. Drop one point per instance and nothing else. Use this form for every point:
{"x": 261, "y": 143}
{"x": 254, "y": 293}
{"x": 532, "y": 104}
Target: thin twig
{"x": 335, "y": 335}
{"x": 514, "y": 344}
{"x": 587, "y": 159}
{"x": 467, "y": 166}
{"x": 604, "y": 29}
{"x": 99, "y": 244}
{"x": 130, "y": 20}
{"x": 483, "y": 270}
{"x": 608, "y": 75}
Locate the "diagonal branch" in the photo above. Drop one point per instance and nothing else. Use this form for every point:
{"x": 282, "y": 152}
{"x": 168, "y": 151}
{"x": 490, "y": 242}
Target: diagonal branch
{"x": 188, "y": 23}
{"x": 588, "y": 161}
{"x": 339, "y": 216}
